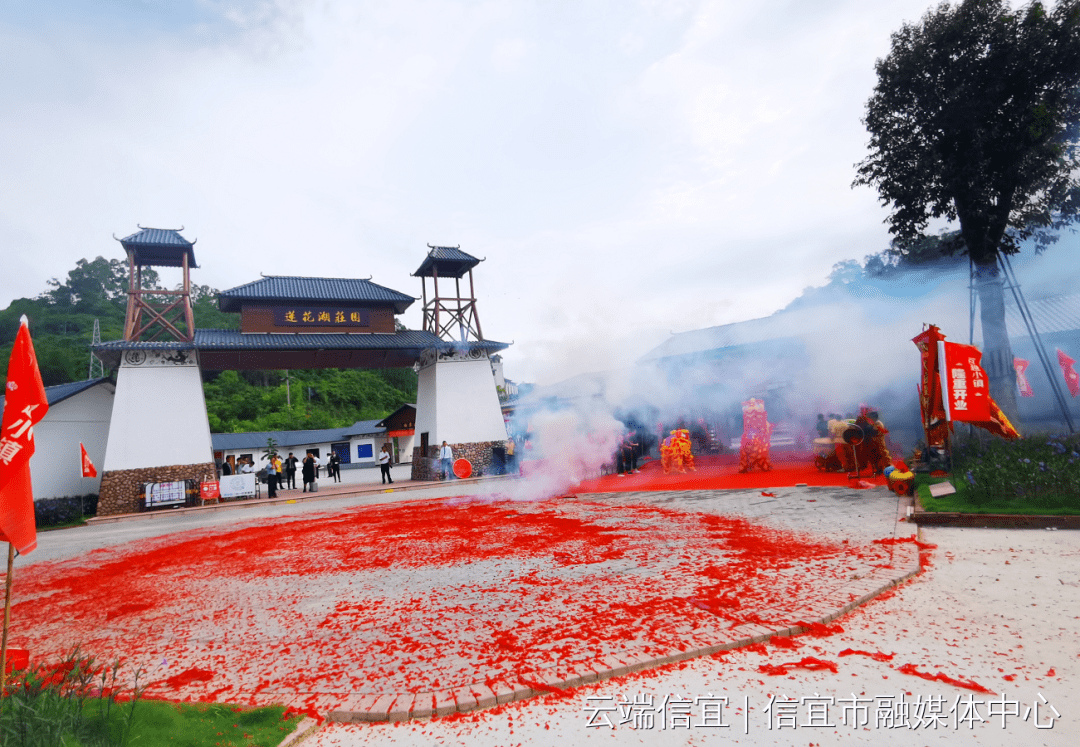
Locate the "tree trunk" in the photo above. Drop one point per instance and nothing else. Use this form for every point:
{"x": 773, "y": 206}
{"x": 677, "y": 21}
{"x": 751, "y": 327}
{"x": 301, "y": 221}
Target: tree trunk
{"x": 997, "y": 353}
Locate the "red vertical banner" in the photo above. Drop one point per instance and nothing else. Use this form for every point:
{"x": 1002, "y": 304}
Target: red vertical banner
{"x": 1072, "y": 379}
{"x": 930, "y": 401}
{"x": 1022, "y": 382}
{"x": 25, "y": 405}
{"x": 964, "y": 383}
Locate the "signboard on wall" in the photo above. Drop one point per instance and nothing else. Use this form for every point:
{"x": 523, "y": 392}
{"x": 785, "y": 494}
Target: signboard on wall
{"x": 166, "y": 493}
{"x": 238, "y": 486}
{"x": 297, "y": 316}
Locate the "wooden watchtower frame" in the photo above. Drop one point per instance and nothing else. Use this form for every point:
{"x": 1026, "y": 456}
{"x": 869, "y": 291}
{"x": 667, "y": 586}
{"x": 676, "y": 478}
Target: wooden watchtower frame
{"x": 445, "y": 315}
{"x": 147, "y": 307}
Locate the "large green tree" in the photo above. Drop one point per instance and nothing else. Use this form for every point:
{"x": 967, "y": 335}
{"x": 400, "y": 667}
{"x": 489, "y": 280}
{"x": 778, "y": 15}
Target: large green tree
{"x": 974, "y": 120}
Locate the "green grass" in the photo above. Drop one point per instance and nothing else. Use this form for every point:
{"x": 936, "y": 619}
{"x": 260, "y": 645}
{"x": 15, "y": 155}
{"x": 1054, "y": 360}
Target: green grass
{"x": 962, "y": 501}
{"x": 161, "y": 724}
{"x": 51, "y": 723}
{"x": 68, "y": 525}
{"x": 77, "y": 702}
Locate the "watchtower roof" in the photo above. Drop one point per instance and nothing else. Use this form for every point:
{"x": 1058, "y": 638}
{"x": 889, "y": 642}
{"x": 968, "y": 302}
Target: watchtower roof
{"x": 160, "y": 247}
{"x": 288, "y": 289}
{"x": 447, "y": 262}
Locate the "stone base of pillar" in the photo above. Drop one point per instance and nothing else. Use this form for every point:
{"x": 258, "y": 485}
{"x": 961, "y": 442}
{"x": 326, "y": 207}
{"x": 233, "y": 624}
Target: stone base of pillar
{"x": 120, "y": 489}
{"x": 480, "y": 455}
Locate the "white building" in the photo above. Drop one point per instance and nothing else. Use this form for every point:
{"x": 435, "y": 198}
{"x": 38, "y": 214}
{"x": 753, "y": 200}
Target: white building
{"x": 78, "y": 413}
{"x": 357, "y": 445}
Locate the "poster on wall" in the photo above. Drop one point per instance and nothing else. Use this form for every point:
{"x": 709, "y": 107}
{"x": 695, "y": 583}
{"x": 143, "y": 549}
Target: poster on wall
{"x": 166, "y": 493}
{"x": 237, "y": 486}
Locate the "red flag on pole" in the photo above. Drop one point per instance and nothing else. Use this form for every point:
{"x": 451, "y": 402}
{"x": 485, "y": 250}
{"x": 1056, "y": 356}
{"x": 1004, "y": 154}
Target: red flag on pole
{"x": 25, "y": 405}
{"x": 1072, "y": 379}
{"x": 88, "y": 469}
{"x": 1022, "y": 382}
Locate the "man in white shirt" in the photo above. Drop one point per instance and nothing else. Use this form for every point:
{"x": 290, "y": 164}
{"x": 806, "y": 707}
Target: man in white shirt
{"x": 246, "y": 468}
{"x": 384, "y": 464}
{"x": 446, "y": 456}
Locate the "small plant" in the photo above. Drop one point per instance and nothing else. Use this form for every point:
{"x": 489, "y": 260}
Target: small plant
{"x": 46, "y": 706}
{"x": 271, "y": 448}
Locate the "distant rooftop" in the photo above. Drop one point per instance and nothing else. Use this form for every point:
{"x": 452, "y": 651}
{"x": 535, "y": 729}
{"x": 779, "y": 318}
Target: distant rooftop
{"x": 161, "y": 247}
{"x": 447, "y": 262}
{"x": 313, "y": 290}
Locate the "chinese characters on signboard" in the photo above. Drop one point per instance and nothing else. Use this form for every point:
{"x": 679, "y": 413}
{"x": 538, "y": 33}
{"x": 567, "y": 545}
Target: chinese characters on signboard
{"x": 297, "y": 316}
{"x": 165, "y": 493}
{"x": 964, "y": 382}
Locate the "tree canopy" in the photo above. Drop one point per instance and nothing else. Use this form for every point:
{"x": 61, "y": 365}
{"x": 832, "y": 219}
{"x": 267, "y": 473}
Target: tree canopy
{"x": 975, "y": 120}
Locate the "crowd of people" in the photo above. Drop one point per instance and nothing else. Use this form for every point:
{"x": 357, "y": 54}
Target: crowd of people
{"x": 852, "y": 444}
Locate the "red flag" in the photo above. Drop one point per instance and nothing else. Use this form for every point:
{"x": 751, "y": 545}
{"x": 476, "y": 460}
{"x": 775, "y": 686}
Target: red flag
{"x": 88, "y": 468}
{"x": 25, "y": 405}
{"x": 1072, "y": 379}
{"x": 1022, "y": 382}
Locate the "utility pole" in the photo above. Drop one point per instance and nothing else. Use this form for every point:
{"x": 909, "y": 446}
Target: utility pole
{"x": 97, "y": 368}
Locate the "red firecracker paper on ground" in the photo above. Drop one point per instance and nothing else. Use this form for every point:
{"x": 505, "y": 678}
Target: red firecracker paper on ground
{"x": 88, "y": 468}
{"x": 25, "y": 405}
{"x": 1022, "y": 382}
{"x": 964, "y": 383}
{"x": 1072, "y": 379}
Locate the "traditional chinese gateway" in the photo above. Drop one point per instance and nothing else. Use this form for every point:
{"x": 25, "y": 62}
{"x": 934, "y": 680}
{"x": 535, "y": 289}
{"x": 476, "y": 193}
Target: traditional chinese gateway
{"x": 159, "y": 430}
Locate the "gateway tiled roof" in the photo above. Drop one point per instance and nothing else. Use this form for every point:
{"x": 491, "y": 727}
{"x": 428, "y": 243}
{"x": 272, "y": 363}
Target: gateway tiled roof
{"x": 313, "y": 290}
{"x": 408, "y": 341}
{"x": 450, "y": 261}
{"x": 287, "y": 440}
{"x": 231, "y": 339}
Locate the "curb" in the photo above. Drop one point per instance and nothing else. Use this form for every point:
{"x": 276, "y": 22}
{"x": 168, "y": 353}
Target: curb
{"x": 923, "y": 517}
{"x": 306, "y": 727}
{"x": 387, "y": 707}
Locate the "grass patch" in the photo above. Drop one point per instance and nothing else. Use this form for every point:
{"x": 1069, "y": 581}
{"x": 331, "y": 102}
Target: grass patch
{"x": 78, "y": 703}
{"x": 159, "y": 723}
{"x": 960, "y": 502}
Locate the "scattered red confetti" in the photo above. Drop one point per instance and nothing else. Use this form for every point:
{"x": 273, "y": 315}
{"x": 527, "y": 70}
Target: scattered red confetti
{"x": 781, "y": 641}
{"x": 278, "y": 609}
{"x": 768, "y": 495}
{"x": 819, "y": 630}
{"x": 1051, "y": 672}
{"x": 808, "y": 662}
{"x": 939, "y": 677}
{"x": 309, "y": 712}
{"x": 876, "y": 655}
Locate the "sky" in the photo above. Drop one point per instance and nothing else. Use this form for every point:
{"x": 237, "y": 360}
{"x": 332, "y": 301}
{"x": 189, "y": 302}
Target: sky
{"x": 627, "y": 169}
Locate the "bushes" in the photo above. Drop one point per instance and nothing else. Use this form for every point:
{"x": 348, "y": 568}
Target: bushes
{"x": 51, "y": 512}
{"x": 1041, "y": 471}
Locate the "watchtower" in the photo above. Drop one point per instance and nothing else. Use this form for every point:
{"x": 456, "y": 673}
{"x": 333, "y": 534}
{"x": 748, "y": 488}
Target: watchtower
{"x": 150, "y": 307}
{"x": 447, "y": 316}
{"x": 456, "y": 399}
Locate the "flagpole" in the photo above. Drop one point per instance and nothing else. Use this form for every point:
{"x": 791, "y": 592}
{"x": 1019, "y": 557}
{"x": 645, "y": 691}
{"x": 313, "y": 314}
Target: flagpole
{"x": 7, "y": 618}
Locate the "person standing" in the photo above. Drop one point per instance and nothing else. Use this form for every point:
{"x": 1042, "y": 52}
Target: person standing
{"x": 446, "y": 457}
{"x": 384, "y": 464}
{"x": 307, "y": 472}
{"x": 290, "y": 471}
{"x": 511, "y": 445}
{"x": 272, "y": 476}
{"x": 226, "y": 469}
{"x": 333, "y": 466}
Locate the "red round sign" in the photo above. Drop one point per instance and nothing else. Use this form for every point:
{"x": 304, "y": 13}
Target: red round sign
{"x": 463, "y": 468}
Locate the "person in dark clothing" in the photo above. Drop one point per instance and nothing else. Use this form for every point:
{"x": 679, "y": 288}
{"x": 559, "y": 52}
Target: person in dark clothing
{"x": 384, "y": 464}
{"x": 226, "y": 469}
{"x": 290, "y": 471}
{"x": 308, "y": 472}
{"x": 333, "y": 467}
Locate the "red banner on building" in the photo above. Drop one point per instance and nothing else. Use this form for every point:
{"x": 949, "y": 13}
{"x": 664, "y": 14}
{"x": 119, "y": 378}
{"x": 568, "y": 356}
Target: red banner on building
{"x": 1072, "y": 379}
{"x": 1022, "y": 382}
{"x": 964, "y": 383}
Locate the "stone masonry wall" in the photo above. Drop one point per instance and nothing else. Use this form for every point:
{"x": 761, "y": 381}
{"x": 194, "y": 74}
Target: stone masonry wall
{"x": 479, "y": 455}
{"x": 120, "y": 488}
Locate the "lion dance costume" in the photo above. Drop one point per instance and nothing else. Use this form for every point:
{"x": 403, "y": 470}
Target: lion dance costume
{"x": 675, "y": 454}
{"x": 757, "y": 432}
